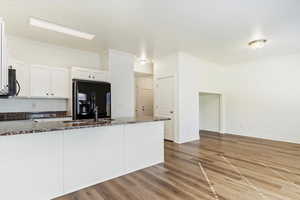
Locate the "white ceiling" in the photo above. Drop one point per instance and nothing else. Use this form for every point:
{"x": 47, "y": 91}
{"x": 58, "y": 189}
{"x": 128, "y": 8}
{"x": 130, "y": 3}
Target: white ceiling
{"x": 216, "y": 30}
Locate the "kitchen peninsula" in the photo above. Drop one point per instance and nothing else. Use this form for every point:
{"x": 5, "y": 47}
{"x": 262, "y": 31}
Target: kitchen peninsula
{"x": 49, "y": 159}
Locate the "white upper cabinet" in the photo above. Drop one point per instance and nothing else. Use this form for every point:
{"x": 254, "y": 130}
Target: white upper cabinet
{"x": 81, "y": 74}
{"x": 89, "y": 74}
{"x": 60, "y": 83}
{"x": 101, "y": 76}
{"x": 40, "y": 81}
{"x": 49, "y": 82}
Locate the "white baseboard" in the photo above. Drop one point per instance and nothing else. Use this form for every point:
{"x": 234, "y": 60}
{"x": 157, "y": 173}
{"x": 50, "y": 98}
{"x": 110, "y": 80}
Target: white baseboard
{"x": 263, "y": 137}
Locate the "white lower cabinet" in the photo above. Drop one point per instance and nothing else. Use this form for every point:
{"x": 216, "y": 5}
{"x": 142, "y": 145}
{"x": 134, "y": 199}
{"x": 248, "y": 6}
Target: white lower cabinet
{"x": 30, "y": 166}
{"x": 98, "y": 154}
{"x": 144, "y": 145}
{"x": 91, "y": 156}
{"x": 47, "y": 165}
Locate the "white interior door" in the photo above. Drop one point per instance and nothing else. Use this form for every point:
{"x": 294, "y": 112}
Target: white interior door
{"x": 165, "y": 104}
{"x": 144, "y": 102}
{"x": 144, "y": 96}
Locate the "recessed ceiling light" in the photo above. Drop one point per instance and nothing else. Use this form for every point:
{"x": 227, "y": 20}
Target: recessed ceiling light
{"x": 60, "y": 29}
{"x": 257, "y": 44}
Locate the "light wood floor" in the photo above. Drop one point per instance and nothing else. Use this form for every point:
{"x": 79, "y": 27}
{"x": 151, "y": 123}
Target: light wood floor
{"x": 215, "y": 168}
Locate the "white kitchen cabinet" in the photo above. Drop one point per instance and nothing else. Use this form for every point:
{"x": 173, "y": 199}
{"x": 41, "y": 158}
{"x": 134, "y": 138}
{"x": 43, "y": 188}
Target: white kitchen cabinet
{"x": 45, "y": 165}
{"x": 101, "y": 76}
{"x": 144, "y": 145}
{"x": 92, "y": 156}
{"x": 40, "y": 81}
{"x": 89, "y": 74}
{"x": 23, "y": 77}
{"x": 81, "y": 74}
{"x": 31, "y": 166}
{"x": 49, "y": 82}
{"x": 60, "y": 83}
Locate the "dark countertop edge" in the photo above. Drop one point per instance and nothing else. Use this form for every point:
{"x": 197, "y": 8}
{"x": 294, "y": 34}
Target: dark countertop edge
{"x": 66, "y": 128}
{"x": 19, "y": 116}
{"x": 69, "y": 116}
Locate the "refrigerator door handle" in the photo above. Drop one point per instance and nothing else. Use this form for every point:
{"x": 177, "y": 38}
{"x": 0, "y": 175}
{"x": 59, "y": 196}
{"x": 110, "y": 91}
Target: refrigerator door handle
{"x": 75, "y": 101}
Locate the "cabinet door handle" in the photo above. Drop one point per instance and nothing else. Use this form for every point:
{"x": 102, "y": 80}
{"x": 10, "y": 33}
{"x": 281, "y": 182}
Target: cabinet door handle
{"x": 47, "y": 94}
{"x": 52, "y": 94}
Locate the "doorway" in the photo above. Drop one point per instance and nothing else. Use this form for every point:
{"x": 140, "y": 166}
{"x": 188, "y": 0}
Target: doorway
{"x": 144, "y": 95}
{"x": 210, "y": 112}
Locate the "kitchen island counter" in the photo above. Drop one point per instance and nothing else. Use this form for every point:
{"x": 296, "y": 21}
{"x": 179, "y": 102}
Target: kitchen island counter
{"x": 30, "y": 126}
{"x": 45, "y": 160}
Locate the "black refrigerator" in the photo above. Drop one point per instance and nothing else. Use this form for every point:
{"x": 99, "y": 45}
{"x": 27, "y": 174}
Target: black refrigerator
{"x": 91, "y": 95}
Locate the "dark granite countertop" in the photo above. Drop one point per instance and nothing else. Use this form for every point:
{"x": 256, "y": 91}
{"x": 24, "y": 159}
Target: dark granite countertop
{"x": 13, "y": 116}
{"x": 29, "y": 126}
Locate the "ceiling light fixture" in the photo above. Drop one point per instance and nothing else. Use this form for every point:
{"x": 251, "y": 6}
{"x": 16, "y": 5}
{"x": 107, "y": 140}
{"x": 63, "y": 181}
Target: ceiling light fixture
{"x": 257, "y": 44}
{"x": 143, "y": 61}
{"x": 60, "y": 29}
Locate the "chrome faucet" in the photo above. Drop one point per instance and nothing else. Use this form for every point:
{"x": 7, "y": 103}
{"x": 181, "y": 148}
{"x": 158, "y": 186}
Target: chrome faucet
{"x": 96, "y": 113}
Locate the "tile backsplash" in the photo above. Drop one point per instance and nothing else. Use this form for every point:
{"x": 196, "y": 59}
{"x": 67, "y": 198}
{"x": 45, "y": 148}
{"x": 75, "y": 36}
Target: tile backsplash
{"x": 32, "y": 105}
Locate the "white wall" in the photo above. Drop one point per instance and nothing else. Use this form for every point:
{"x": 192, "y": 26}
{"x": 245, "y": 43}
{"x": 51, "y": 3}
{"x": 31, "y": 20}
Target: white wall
{"x": 122, "y": 84}
{"x": 194, "y": 76}
{"x": 209, "y": 112}
{"x": 104, "y": 60}
{"x": 146, "y": 68}
{"x": 259, "y": 99}
{"x": 34, "y": 52}
{"x": 164, "y": 67}
{"x": 262, "y": 99}
{"x": 167, "y": 66}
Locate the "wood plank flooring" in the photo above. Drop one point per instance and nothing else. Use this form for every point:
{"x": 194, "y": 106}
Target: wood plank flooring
{"x": 218, "y": 167}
